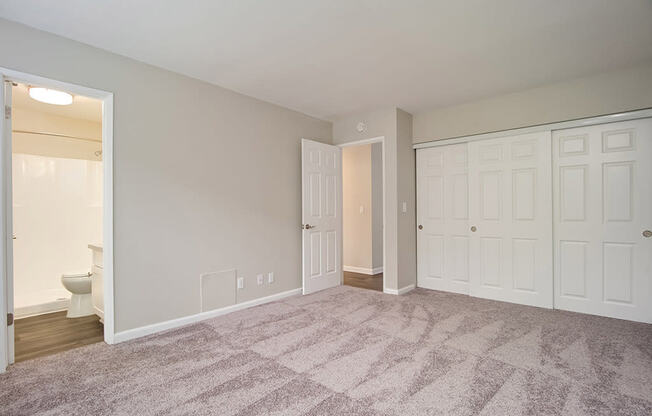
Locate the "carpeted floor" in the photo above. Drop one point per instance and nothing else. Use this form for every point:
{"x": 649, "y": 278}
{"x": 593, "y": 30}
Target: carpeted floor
{"x": 349, "y": 351}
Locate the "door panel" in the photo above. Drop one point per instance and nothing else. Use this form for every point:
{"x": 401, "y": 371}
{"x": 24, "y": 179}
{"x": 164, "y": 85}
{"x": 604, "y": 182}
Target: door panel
{"x": 322, "y": 211}
{"x": 510, "y": 211}
{"x": 442, "y": 212}
{"x": 602, "y": 204}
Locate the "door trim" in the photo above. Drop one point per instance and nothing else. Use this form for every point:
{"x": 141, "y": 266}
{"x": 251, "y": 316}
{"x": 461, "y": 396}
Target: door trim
{"x": 580, "y": 122}
{"x": 107, "y": 220}
{"x": 379, "y": 139}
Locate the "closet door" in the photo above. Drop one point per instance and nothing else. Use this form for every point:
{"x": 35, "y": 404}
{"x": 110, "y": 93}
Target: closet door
{"x": 603, "y": 219}
{"x": 442, "y": 218}
{"x": 510, "y": 200}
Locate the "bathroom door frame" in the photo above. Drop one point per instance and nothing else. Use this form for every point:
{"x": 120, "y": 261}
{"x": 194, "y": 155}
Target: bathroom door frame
{"x": 6, "y": 207}
{"x": 362, "y": 142}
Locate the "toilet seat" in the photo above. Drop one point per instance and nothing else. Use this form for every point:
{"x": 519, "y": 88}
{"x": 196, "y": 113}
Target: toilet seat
{"x": 84, "y": 274}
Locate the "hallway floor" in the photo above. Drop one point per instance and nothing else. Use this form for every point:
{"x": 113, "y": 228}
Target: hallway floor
{"x": 364, "y": 281}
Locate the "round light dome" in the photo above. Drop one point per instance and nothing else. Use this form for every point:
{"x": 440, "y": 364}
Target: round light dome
{"x": 48, "y": 96}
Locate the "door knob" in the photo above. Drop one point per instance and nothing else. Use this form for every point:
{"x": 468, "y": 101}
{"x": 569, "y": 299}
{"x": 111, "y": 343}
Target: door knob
{"x": 474, "y": 228}
{"x": 307, "y": 226}
{"x": 647, "y": 233}
{"x": 420, "y": 227}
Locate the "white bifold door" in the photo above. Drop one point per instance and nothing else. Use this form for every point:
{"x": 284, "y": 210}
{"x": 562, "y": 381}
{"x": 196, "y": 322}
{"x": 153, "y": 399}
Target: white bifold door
{"x": 488, "y": 211}
{"x": 321, "y": 175}
{"x": 443, "y": 217}
{"x": 484, "y": 217}
{"x": 510, "y": 219}
{"x": 603, "y": 219}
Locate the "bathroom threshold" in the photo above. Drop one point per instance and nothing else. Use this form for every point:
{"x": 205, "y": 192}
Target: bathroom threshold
{"x": 41, "y": 335}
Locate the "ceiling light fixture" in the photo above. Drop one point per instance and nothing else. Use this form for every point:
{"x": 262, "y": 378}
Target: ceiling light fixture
{"x": 48, "y": 96}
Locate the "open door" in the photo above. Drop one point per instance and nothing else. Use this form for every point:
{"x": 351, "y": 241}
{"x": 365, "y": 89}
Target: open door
{"x": 6, "y": 233}
{"x": 321, "y": 176}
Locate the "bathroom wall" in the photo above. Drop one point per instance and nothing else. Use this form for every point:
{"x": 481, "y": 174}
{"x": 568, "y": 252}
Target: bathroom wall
{"x": 57, "y": 202}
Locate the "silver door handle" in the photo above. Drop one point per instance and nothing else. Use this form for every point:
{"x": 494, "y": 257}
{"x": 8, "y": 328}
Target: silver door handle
{"x": 647, "y": 233}
{"x": 474, "y": 228}
{"x": 307, "y": 226}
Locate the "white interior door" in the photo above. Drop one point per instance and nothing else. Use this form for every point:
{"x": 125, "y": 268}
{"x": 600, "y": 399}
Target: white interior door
{"x": 603, "y": 207}
{"x": 6, "y": 230}
{"x": 321, "y": 175}
{"x": 442, "y": 218}
{"x": 510, "y": 201}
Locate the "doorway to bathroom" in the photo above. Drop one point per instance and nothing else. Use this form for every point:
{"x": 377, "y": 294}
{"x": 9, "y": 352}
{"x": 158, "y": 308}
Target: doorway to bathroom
{"x": 57, "y": 217}
{"x": 362, "y": 214}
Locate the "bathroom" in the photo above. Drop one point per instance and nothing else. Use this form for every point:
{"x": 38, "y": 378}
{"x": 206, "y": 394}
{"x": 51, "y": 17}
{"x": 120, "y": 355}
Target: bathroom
{"x": 57, "y": 177}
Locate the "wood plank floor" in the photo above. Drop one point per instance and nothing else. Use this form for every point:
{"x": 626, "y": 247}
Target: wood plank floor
{"x": 50, "y": 333}
{"x": 364, "y": 281}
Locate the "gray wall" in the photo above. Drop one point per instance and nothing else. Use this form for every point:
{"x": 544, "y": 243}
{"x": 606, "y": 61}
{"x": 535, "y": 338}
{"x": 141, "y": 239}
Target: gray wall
{"x": 607, "y": 93}
{"x": 205, "y": 179}
{"x": 395, "y": 126}
{"x": 406, "y": 184}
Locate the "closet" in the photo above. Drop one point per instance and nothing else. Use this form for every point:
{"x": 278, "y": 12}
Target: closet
{"x": 552, "y": 219}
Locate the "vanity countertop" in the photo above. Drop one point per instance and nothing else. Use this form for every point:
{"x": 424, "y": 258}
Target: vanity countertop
{"x": 95, "y": 247}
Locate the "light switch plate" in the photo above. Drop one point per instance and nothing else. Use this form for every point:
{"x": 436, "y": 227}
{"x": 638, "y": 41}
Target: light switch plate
{"x": 270, "y": 277}
{"x": 240, "y": 282}
{"x": 404, "y": 206}
{"x": 260, "y": 279}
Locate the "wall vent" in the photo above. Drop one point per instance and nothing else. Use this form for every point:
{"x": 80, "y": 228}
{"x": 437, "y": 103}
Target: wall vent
{"x": 217, "y": 289}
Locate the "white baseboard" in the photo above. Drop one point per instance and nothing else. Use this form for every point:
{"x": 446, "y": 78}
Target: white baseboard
{"x": 186, "y": 320}
{"x": 49, "y": 307}
{"x": 400, "y": 291}
{"x": 363, "y": 270}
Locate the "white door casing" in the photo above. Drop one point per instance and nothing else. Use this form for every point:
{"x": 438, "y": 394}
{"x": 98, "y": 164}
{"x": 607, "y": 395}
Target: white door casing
{"x": 7, "y": 338}
{"x": 510, "y": 204}
{"x": 321, "y": 175}
{"x": 602, "y": 179}
{"x": 442, "y": 218}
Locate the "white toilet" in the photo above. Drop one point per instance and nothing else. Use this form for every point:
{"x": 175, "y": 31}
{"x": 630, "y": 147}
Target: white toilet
{"x": 81, "y": 302}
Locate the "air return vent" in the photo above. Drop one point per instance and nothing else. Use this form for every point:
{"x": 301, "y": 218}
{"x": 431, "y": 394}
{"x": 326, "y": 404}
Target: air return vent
{"x": 217, "y": 289}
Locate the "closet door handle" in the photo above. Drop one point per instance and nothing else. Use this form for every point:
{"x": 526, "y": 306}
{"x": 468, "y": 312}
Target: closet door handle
{"x": 420, "y": 227}
{"x": 474, "y": 228}
{"x": 647, "y": 233}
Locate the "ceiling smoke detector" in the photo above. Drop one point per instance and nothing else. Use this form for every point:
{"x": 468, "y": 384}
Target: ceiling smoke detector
{"x": 361, "y": 127}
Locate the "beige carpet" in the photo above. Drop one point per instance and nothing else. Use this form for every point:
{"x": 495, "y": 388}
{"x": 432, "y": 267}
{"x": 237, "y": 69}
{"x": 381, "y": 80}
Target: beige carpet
{"x": 349, "y": 351}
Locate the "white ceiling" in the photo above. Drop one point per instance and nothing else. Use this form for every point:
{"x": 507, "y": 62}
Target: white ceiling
{"x": 84, "y": 108}
{"x": 333, "y": 57}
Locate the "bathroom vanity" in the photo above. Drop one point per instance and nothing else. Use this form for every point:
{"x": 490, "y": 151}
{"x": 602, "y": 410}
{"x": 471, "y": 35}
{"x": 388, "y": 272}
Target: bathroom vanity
{"x": 97, "y": 270}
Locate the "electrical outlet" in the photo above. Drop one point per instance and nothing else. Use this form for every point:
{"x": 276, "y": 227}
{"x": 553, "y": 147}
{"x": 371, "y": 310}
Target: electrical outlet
{"x": 270, "y": 277}
{"x": 404, "y": 206}
{"x": 260, "y": 279}
{"x": 240, "y": 282}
